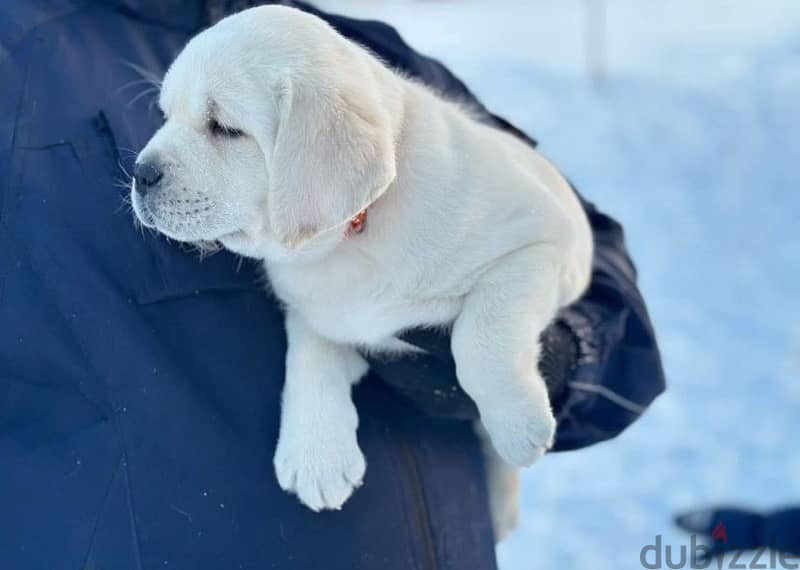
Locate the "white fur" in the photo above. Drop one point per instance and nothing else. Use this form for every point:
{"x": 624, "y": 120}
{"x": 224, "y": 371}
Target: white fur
{"x": 467, "y": 225}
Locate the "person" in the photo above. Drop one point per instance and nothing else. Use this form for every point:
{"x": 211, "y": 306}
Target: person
{"x": 729, "y": 530}
{"x": 140, "y": 382}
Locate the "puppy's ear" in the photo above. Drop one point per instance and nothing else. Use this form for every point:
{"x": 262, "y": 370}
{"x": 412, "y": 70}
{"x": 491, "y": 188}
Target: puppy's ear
{"x": 333, "y": 154}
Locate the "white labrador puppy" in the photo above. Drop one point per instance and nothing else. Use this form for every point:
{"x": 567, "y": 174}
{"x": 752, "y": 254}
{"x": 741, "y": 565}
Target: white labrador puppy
{"x": 376, "y": 206}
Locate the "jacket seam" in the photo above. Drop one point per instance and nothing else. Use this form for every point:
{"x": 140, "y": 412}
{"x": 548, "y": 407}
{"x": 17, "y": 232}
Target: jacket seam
{"x": 401, "y": 477}
{"x": 102, "y": 510}
{"x": 420, "y": 506}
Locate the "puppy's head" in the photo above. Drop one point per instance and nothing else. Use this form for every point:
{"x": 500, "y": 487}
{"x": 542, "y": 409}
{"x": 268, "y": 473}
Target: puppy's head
{"x": 275, "y": 134}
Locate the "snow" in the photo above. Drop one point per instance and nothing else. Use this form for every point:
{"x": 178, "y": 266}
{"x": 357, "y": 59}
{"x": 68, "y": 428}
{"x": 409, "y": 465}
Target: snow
{"x": 687, "y": 130}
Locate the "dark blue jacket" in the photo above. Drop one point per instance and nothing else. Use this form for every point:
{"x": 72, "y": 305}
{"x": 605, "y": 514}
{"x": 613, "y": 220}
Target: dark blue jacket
{"x": 140, "y": 388}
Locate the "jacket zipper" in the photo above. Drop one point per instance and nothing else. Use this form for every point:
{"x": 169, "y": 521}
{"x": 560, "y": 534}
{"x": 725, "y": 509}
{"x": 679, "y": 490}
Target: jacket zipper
{"x": 420, "y": 508}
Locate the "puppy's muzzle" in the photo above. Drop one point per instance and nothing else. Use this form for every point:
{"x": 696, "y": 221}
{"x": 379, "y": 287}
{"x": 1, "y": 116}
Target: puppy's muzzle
{"x": 147, "y": 176}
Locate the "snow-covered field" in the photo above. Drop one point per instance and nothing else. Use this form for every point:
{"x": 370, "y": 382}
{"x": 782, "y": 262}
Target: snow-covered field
{"x": 689, "y": 133}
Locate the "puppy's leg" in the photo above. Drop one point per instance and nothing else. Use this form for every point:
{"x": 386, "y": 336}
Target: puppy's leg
{"x": 503, "y": 485}
{"x": 495, "y": 343}
{"x": 318, "y": 457}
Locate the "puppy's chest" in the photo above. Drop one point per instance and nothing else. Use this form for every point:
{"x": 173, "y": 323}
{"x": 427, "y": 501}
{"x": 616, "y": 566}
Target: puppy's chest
{"x": 357, "y": 306}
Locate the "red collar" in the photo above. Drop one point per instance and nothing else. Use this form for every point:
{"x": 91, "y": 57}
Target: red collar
{"x": 357, "y": 223}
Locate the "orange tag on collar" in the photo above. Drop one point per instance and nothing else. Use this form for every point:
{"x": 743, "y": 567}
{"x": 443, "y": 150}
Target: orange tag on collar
{"x": 358, "y": 223}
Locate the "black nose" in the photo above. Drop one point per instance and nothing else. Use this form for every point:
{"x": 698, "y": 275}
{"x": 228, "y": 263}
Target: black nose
{"x": 146, "y": 175}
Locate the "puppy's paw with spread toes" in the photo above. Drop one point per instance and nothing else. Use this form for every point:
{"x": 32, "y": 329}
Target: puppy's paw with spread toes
{"x": 322, "y": 475}
{"x": 523, "y": 435}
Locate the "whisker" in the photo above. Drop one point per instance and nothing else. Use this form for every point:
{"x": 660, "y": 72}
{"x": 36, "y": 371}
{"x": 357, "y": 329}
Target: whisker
{"x": 137, "y": 223}
{"x": 124, "y": 170}
{"x": 145, "y": 93}
{"x": 125, "y": 206}
{"x": 128, "y": 151}
{"x": 204, "y": 249}
{"x": 145, "y": 73}
{"x": 134, "y": 83}
{"x": 120, "y": 183}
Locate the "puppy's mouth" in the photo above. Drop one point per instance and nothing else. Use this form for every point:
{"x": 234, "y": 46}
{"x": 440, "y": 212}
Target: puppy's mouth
{"x": 183, "y": 219}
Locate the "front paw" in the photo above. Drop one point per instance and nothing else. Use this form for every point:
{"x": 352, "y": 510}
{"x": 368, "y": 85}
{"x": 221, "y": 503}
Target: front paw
{"x": 322, "y": 473}
{"x": 521, "y": 434}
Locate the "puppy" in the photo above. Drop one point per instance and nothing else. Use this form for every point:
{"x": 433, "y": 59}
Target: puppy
{"x": 376, "y": 206}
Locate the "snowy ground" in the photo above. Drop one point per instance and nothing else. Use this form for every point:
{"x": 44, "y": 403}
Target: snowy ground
{"x": 692, "y": 140}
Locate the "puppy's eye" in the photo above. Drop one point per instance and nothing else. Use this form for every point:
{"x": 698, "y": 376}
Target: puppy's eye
{"x": 219, "y": 130}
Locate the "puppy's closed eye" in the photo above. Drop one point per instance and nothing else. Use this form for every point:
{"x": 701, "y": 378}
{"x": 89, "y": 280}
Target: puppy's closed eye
{"x": 223, "y": 131}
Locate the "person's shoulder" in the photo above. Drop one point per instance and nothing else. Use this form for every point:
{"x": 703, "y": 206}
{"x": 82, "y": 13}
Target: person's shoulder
{"x": 19, "y": 17}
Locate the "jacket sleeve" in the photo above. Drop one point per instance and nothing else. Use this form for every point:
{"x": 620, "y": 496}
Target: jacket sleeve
{"x": 600, "y": 357}
{"x": 618, "y": 372}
